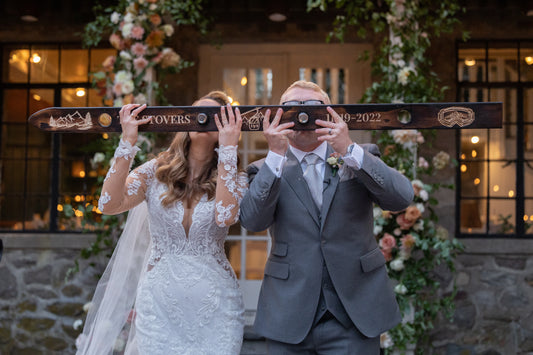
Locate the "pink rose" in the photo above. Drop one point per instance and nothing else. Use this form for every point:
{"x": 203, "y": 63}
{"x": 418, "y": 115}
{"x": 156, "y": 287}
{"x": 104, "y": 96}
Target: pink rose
{"x": 387, "y": 242}
{"x": 117, "y": 89}
{"x": 386, "y": 254}
{"x": 109, "y": 62}
{"x": 138, "y": 49}
{"x": 403, "y": 222}
{"x": 140, "y": 63}
{"x": 137, "y": 32}
{"x": 412, "y": 213}
{"x": 116, "y": 41}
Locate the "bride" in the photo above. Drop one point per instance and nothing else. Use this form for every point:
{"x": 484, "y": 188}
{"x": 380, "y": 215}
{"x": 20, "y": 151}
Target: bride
{"x": 173, "y": 283}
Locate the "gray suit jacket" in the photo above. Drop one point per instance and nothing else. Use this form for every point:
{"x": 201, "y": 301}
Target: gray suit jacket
{"x": 341, "y": 235}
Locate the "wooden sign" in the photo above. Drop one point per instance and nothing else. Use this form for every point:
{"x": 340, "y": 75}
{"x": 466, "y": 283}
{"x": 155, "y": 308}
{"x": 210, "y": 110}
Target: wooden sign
{"x": 201, "y": 118}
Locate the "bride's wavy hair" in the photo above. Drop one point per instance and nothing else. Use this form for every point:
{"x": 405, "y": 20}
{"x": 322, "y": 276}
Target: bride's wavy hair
{"x": 173, "y": 165}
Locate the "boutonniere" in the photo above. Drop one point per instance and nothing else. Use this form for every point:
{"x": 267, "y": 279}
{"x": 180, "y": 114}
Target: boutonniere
{"x": 335, "y": 161}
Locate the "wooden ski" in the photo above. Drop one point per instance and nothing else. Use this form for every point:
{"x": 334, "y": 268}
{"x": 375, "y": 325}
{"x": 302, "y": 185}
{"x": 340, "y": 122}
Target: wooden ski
{"x": 201, "y": 118}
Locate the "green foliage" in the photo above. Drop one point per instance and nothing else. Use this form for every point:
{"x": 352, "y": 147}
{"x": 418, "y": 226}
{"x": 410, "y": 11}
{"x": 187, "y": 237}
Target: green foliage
{"x": 413, "y": 243}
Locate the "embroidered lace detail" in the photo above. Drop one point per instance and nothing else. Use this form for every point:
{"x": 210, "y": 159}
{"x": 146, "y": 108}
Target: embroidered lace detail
{"x": 235, "y": 183}
{"x": 134, "y": 185}
{"x": 104, "y": 198}
{"x": 126, "y": 150}
{"x": 112, "y": 170}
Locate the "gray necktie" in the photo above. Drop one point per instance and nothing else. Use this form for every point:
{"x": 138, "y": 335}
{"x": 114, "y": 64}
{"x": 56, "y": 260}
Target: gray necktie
{"x": 313, "y": 178}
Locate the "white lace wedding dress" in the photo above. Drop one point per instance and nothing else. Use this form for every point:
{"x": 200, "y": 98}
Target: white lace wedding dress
{"x": 188, "y": 300}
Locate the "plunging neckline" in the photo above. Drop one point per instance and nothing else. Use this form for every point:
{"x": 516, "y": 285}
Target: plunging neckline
{"x": 188, "y": 231}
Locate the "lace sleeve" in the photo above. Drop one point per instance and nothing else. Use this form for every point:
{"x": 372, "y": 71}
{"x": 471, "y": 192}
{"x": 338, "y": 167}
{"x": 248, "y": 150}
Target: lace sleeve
{"x": 121, "y": 191}
{"x": 231, "y": 187}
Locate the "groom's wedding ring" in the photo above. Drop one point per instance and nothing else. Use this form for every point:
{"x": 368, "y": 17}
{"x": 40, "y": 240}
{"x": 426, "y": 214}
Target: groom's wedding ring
{"x": 330, "y": 131}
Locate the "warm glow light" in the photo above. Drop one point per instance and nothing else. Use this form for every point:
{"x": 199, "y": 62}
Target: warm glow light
{"x": 95, "y": 209}
{"x": 511, "y": 193}
{"x": 525, "y": 218}
{"x": 496, "y": 188}
{"x": 35, "y": 58}
{"x": 80, "y": 92}
{"x": 78, "y": 213}
{"x": 463, "y": 168}
{"x": 244, "y": 81}
{"x": 477, "y": 181}
{"x": 463, "y": 156}
{"x": 474, "y": 153}
{"x": 105, "y": 136}
{"x": 475, "y": 139}
{"x": 235, "y": 103}
{"x": 77, "y": 198}
{"x": 36, "y": 97}
{"x": 469, "y": 62}
{"x": 230, "y": 99}
{"x": 529, "y": 60}
{"x": 60, "y": 208}
{"x": 531, "y": 218}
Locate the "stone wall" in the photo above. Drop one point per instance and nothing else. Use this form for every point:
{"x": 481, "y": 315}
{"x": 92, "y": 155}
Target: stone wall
{"x": 494, "y": 303}
{"x": 38, "y": 306}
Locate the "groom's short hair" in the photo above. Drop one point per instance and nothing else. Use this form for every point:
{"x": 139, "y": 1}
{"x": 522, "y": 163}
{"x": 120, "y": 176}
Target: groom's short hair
{"x": 307, "y": 85}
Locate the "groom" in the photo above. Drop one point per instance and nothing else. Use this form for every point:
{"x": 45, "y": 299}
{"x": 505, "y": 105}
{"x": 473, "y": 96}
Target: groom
{"x": 325, "y": 288}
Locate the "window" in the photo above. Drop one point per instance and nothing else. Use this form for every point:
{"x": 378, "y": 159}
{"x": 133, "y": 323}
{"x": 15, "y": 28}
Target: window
{"x": 495, "y": 173}
{"x": 39, "y": 171}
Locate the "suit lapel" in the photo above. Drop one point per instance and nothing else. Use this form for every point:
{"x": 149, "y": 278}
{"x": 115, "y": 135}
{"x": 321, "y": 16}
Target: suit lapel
{"x": 329, "y": 188}
{"x": 292, "y": 172}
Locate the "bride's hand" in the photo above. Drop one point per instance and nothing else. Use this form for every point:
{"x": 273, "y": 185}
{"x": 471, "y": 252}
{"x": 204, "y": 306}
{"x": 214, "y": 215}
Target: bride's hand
{"x": 130, "y": 123}
{"x": 229, "y": 126}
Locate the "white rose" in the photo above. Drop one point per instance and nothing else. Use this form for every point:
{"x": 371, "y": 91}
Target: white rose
{"x": 397, "y": 265}
{"x": 127, "y": 87}
{"x": 115, "y": 17}
{"x": 118, "y": 102}
{"x": 168, "y": 29}
{"x": 400, "y": 289}
{"x": 126, "y": 30}
{"x": 129, "y": 18}
{"x": 378, "y": 229}
{"x": 140, "y": 99}
{"x": 420, "y": 207}
{"x": 423, "y": 195}
{"x": 125, "y": 55}
{"x": 385, "y": 341}
{"x": 77, "y": 324}
{"x": 122, "y": 76}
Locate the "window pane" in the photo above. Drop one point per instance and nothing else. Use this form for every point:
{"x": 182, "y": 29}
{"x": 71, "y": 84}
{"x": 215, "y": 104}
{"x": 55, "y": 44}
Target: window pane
{"x": 37, "y": 213}
{"x": 471, "y": 65}
{"x": 74, "y": 65}
{"x": 473, "y": 179}
{"x": 502, "y": 179}
{"x": 332, "y": 80}
{"x": 40, "y": 99}
{"x": 248, "y": 86}
{"x": 473, "y": 216}
{"x": 529, "y": 213}
{"x": 74, "y": 97}
{"x": 44, "y": 65}
{"x": 526, "y": 61}
{"x": 256, "y": 256}
{"x": 502, "y": 216}
{"x": 11, "y": 210}
{"x": 233, "y": 253}
{"x": 528, "y": 123}
{"x": 15, "y": 105}
{"x": 503, "y": 64}
{"x": 17, "y": 70}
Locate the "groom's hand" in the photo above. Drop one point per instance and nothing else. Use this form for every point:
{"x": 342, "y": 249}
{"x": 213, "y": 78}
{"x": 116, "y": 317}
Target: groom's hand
{"x": 335, "y": 133}
{"x": 275, "y": 133}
